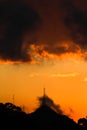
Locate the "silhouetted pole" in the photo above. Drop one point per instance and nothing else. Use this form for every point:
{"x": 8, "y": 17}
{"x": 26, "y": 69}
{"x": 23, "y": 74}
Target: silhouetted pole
{"x": 44, "y": 98}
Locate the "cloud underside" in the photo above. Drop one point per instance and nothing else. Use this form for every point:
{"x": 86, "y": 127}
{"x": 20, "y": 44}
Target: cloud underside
{"x": 30, "y": 33}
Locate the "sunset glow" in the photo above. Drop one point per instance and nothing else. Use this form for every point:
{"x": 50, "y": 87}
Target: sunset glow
{"x": 44, "y": 44}
{"x": 65, "y": 83}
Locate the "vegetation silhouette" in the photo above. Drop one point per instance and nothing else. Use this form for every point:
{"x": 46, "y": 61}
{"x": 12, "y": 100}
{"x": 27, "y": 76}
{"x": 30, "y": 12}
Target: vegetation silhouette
{"x": 12, "y": 117}
{"x": 49, "y": 102}
{"x": 83, "y": 123}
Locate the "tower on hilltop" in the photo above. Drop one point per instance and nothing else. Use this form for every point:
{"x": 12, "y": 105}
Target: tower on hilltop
{"x": 44, "y": 98}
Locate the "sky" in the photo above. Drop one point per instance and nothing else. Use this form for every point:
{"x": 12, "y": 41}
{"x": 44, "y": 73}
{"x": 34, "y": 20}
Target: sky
{"x": 44, "y": 44}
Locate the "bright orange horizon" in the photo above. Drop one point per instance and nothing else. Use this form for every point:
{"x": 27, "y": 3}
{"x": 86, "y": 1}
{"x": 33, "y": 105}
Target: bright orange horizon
{"x": 65, "y": 82}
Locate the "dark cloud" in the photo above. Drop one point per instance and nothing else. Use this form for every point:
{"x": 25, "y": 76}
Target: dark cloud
{"x": 65, "y": 26}
{"x": 76, "y": 22}
{"x": 63, "y": 29}
{"x": 49, "y": 102}
{"x": 16, "y": 20}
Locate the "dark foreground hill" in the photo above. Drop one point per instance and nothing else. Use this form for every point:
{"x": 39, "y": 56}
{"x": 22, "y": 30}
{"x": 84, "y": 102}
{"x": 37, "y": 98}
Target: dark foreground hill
{"x": 44, "y": 118}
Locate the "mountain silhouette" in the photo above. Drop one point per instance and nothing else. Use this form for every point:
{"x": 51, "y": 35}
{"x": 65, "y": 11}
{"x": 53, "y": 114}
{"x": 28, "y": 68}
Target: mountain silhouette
{"x": 44, "y": 118}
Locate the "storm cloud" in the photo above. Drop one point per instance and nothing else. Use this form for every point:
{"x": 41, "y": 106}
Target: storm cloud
{"x": 65, "y": 28}
{"x": 35, "y": 29}
{"x": 16, "y": 20}
{"x": 76, "y": 22}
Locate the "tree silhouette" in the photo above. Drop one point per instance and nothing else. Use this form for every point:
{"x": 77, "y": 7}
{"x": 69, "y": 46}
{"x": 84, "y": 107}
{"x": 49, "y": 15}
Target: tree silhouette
{"x": 13, "y": 107}
{"x": 43, "y": 118}
{"x": 83, "y": 122}
{"x": 45, "y": 100}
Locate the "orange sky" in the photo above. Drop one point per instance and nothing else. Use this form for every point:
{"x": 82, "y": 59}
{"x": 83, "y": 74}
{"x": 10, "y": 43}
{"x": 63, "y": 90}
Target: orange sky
{"x": 47, "y": 42}
{"x": 65, "y": 82}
